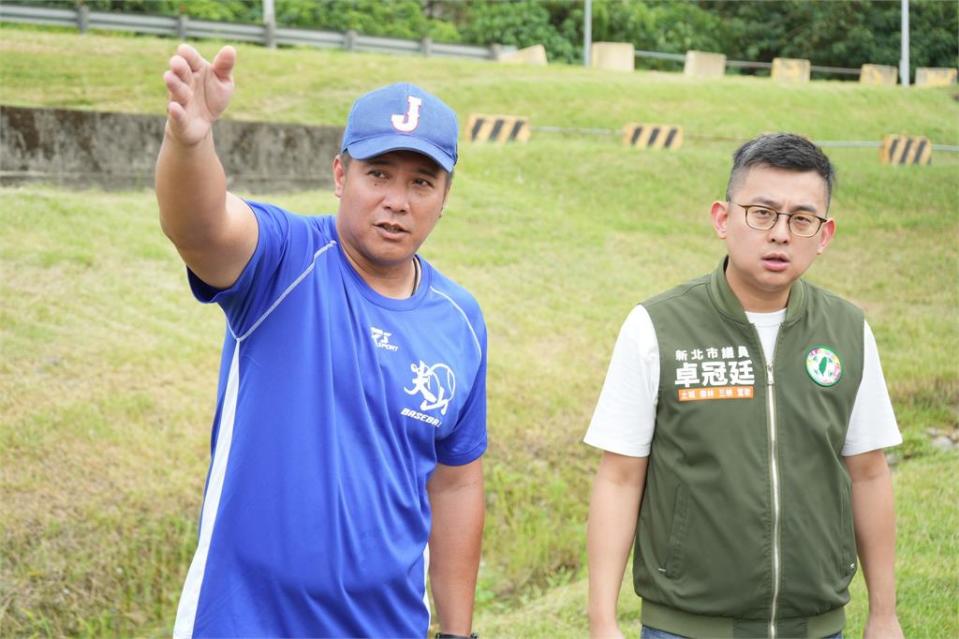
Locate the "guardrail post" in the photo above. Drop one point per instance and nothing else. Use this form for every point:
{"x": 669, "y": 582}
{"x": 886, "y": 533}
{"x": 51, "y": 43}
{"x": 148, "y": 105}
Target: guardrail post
{"x": 83, "y": 18}
{"x": 426, "y": 46}
{"x": 495, "y": 51}
{"x": 181, "y": 26}
{"x": 349, "y": 42}
{"x": 270, "y": 33}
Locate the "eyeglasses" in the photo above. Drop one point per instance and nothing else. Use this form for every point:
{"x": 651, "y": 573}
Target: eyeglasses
{"x": 763, "y": 218}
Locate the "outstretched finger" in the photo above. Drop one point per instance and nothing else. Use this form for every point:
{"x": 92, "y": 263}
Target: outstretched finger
{"x": 180, "y": 91}
{"x": 224, "y": 62}
{"x": 180, "y": 68}
{"x": 177, "y": 113}
{"x": 191, "y": 55}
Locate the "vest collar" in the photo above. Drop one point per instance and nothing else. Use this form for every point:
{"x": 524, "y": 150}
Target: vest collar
{"x": 729, "y": 305}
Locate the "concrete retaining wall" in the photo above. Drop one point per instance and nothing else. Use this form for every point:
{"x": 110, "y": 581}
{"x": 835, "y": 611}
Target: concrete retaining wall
{"x": 113, "y": 151}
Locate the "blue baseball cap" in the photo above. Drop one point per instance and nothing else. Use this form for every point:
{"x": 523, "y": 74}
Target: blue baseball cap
{"x": 401, "y": 117}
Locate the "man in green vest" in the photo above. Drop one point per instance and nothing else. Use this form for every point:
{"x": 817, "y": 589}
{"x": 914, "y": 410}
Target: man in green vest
{"x": 743, "y": 420}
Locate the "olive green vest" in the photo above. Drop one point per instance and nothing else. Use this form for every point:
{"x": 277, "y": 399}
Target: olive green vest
{"x": 745, "y": 528}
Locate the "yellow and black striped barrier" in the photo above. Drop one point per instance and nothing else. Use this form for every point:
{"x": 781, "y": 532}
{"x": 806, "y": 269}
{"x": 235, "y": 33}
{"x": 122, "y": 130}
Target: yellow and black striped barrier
{"x": 653, "y": 136}
{"x": 905, "y": 149}
{"x": 497, "y": 128}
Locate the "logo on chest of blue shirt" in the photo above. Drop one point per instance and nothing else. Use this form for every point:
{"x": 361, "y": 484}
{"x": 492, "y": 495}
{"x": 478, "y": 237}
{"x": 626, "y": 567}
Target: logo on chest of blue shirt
{"x": 435, "y": 386}
{"x": 381, "y": 339}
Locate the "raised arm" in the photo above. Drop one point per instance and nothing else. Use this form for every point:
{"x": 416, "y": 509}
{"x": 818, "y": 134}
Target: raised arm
{"x": 214, "y": 231}
{"x": 613, "y": 508}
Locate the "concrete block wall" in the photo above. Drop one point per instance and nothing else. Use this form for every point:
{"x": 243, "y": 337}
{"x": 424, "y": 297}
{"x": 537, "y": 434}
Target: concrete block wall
{"x": 617, "y": 56}
{"x": 700, "y": 64}
{"x": 791, "y": 70}
{"x": 878, "y": 74}
{"x": 535, "y": 55}
{"x": 935, "y": 76}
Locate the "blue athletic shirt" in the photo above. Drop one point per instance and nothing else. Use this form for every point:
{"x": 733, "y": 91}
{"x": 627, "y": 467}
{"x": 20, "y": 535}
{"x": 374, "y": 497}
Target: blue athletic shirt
{"x": 334, "y": 406}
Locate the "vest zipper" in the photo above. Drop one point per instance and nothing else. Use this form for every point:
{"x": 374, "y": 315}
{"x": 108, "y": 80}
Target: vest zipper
{"x": 774, "y": 480}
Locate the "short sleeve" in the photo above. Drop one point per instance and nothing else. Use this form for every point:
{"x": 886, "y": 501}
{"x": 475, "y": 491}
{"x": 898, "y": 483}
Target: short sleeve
{"x": 872, "y": 424}
{"x": 468, "y": 440}
{"x": 285, "y": 247}
{"x": 625, "y": 415}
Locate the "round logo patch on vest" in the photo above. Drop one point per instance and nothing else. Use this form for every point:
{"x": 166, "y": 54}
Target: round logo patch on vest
{"x": 823, "y": 366}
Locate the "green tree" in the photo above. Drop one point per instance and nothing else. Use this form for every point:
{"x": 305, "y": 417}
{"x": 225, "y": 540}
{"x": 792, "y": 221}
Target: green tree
{"x": 840, "y": 33}
{"x": 845, "y": 33}
{"x": 397, "y": 18}
{"x": 522, "y": 24}
{"x": 932, "y": 39}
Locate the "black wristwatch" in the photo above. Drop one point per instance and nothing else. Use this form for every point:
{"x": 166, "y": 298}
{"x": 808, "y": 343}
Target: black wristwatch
{"x": 446, "y": 635}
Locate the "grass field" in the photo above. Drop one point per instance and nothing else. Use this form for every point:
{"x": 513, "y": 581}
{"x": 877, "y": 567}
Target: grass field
{"x": 108, "y": 368}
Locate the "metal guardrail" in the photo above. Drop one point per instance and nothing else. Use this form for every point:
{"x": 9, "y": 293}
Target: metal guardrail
{"x": 835, "y": 144}
{"x": 815, "y": 68}
{"x": 869, "y": 144}
{"x": 676, "y": 57}
{"x": 183, "y": 27}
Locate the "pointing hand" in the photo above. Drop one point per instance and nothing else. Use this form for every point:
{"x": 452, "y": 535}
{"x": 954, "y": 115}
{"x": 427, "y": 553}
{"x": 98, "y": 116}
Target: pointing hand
{"x": 199, "y": 92}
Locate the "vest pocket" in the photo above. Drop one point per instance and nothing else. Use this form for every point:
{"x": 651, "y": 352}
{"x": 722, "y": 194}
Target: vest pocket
{"x": 677, "y": 533}
{"x": 847, "y": 556}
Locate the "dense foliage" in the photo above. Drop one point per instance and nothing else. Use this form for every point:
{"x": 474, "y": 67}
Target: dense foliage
{"x": 845, "y": 34}
{"x": 841, "y": 33}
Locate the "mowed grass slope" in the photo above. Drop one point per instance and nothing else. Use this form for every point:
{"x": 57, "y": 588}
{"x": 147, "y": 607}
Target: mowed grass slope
{"x": 108, "y": 368}
{"x": 318, "y": 86}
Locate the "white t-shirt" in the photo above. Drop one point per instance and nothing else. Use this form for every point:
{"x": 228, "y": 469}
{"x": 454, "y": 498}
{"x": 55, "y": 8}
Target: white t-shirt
{"x": 625, "y": 415}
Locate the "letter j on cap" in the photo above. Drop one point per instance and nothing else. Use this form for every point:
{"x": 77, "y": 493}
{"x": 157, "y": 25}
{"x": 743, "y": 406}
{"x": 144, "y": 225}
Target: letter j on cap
{"x": 408, "y": 121}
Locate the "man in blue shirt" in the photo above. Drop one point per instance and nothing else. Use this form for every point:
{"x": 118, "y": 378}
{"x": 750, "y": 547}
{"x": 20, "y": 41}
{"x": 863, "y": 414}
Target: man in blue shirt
{"x": 351, "y": 411}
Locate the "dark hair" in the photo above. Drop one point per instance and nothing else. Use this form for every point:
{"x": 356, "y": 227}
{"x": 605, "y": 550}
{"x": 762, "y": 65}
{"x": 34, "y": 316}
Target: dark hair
{"x": 782, "y": 151}
{"x": 345, "y": 161}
